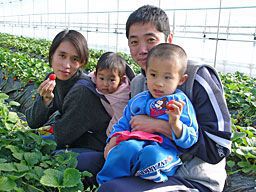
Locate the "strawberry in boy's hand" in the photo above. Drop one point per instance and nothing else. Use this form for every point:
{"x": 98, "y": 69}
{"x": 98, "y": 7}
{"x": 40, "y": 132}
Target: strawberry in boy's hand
{"x": 169, "y": 105}
{"x": 52, "y": 77}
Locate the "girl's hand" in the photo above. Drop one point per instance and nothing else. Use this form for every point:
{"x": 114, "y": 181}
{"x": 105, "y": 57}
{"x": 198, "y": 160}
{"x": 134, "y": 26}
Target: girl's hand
{"x": 46, "y": 90}
{"x": 109, "y": 146}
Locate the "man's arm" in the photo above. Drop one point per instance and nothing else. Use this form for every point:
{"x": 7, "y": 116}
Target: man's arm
{"x": 213, "y": 118}
{"x": 150, "y": 125}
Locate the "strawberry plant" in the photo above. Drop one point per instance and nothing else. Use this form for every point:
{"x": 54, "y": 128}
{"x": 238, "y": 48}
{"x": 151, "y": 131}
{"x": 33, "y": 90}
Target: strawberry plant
{"x": 27, "y": 162}
{"x": 39, "y": 49}
{"x": 240, "y": 92}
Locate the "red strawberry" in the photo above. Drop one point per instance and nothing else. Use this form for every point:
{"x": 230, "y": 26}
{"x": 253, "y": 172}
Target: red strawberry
{"x": 52, "y": 77}
{"x": 51, "y": 129}
{"x": 169, "y": 105}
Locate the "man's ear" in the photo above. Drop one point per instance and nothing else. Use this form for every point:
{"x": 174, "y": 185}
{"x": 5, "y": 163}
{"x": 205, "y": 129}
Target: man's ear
{"x": 170, "y": 38}
{"x": 183, "y": 79}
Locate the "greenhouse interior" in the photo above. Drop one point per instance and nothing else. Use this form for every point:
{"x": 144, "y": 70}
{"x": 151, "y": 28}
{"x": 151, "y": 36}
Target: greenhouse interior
{"x": 216, "y": 32}
{"x": 219, "y": 33}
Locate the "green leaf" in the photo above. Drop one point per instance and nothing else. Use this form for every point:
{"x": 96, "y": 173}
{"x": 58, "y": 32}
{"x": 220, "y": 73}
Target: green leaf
{"x": 17, "y": 176}
{"x": 247, "y": 169}
{"x": 21, "y": 167}
{"x": 240, "y": 152}
{"x": 243, "y": 164}
{"x": 48, "y": 146}
{"x": 13, "y": 117}
{"x": 38, "y": 172}
{"x": 16, "y": 151}
{"x": 32, "y": 158}
{"x": 6, "y": 184}
{"x": 71, "y": 177}
{"x": 2, "y": 160}
{"x": 67, "y": 158}
{"x": 52, "y": 178}
{"x": 14, "y": 103}
{"x": 3, "y": 96}
{"x": 238, "y": 135}
{"x": 7, "y": 167}
{"x": 86, "y": 174}
{"x": 231, "y": 163}
{"x": 78, "y": 188}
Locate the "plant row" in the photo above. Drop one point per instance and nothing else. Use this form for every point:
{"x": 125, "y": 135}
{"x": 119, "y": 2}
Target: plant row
{"x": 27, "y": 162}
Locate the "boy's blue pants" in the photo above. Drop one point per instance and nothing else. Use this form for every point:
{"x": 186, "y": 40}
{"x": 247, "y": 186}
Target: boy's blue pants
{"x": 145, "y": 159}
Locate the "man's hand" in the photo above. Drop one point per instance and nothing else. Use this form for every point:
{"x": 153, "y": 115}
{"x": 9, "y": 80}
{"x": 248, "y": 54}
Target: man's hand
{"x": 109, "y": 146}
{"x": 150, "y": 125}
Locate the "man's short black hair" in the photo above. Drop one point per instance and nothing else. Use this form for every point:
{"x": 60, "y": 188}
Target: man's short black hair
{"x": 149, "y": 14}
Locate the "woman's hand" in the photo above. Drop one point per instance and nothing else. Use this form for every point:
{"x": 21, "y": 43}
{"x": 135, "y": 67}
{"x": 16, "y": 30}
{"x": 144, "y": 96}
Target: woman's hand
{"x": 150, "y": 125}
{"x": 46, "y": 90}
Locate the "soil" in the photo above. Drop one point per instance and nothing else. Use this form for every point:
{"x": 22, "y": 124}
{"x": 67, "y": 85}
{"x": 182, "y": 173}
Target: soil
{"x": 240, "y": 183}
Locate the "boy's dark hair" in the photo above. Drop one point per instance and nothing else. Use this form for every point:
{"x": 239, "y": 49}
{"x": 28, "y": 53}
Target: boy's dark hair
{"x": 149, "y": 14}
{"x": 169, "y": 51}
{"x": 112, "y": 61}
{"x": 74, "y": 37}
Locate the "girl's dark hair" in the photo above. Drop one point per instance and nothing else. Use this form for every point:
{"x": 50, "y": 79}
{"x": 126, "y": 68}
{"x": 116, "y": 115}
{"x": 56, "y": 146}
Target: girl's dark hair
{"x": 112, "y": 61}
{"x": 169, "y": 51}
{"x": 149, "y": 14}
{"x": 74, "y": 37}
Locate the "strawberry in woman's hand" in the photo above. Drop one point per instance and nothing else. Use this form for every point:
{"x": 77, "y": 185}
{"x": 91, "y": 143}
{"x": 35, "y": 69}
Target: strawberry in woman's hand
{"x": 169, "y": 105}
{"x": 52, "y": 77}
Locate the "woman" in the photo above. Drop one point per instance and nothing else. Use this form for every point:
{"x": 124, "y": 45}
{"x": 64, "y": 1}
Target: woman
{"x": 81, "y": 125}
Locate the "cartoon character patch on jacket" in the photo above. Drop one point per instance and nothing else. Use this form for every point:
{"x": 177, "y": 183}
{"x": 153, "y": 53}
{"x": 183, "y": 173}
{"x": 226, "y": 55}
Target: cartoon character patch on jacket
{"x": 158, "y": 107}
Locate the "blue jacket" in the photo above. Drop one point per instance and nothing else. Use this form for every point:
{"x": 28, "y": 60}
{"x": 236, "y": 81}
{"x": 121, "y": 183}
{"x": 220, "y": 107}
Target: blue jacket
{"x": 145, "y": 104}
{"x": 214, "y": 141}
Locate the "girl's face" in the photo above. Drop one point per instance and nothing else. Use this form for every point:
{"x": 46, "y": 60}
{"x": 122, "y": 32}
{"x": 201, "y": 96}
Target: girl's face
{"x": 65, "y": 61}
{"x": 107, "y": 81}
{"x": 163, "y": 76}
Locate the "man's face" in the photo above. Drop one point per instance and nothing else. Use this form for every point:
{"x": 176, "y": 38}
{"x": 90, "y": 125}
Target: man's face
{"x": 142, "y": 38}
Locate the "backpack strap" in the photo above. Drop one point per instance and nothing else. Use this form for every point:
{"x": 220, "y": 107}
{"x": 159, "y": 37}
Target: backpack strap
{"x": 192, "y": 70}
{"x": 91, "y": 86}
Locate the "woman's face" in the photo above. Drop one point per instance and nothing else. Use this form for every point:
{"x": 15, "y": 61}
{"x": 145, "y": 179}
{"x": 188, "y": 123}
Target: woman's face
{"x": 65, "y": 61}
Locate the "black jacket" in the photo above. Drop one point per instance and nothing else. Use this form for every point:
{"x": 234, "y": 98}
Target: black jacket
{"x": 82, "y": 121}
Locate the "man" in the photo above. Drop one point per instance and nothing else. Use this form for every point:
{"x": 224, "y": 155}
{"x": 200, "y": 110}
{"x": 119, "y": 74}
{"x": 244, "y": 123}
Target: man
{"x": 203, "y": 166}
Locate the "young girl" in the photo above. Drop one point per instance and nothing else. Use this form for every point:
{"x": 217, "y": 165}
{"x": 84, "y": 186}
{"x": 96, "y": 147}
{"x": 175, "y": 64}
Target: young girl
{"x": 111, "y": 81}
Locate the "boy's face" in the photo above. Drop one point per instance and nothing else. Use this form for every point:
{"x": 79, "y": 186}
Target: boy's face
{"x": 107, "y": 81}
{"x": 163, "y": 76}
{"x": 142, "y": 38}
